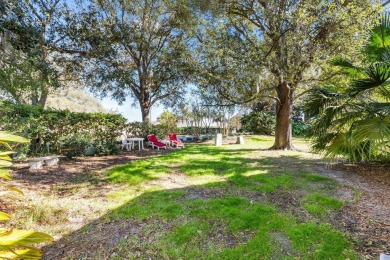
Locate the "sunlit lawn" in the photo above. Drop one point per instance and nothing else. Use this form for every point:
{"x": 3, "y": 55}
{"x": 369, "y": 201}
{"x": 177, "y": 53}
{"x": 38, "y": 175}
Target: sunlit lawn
{"x": 228, "y": 207}
{"x": 204, "y": 202}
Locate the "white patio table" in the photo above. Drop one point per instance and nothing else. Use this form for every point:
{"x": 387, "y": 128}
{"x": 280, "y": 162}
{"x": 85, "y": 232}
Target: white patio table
{"x": 139, "y": 140}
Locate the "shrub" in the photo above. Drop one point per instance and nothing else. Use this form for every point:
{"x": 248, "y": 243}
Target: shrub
{"x": 76, "y": 145}
{"x": 168, "y": 122}
{"x": 300, "y": 128}
{"x": 259, "y": 122}
{"x": 63, "y": 130}
{"x": 143, "y": 129}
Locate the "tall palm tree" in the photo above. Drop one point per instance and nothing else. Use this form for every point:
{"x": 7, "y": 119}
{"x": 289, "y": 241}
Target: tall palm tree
{"x": 355, "y": 123}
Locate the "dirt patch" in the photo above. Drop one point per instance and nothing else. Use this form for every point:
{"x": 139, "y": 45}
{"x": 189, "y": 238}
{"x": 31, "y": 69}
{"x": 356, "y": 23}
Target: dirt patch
{"x": 174, "y": 180}
{"x": 124, "y": 239}
{"x": 75, "y": 171}
{"x": 285, "y": 246}
{"x": 221, "y": 238}
{"x": 289, "y": 201}
{"x": 366, "y": 217}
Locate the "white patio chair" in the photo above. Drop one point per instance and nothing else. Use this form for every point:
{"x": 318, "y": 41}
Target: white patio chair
{"x": 125, "y": 143}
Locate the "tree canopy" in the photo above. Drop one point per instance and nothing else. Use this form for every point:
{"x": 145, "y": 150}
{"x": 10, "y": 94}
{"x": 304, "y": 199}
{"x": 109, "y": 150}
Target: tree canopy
{"x": 37, "y": 53}
{"x": 137, "y": 48}
{"x": 284, "y": 40}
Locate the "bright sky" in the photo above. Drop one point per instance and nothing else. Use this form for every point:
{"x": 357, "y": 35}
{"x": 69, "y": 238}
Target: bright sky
{"x": 132, "y": 114}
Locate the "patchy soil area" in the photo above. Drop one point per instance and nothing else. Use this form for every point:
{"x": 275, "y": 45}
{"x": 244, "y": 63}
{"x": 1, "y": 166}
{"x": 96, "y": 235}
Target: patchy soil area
{"x": 69, "y": 171}
{"x": 365, "y": 216}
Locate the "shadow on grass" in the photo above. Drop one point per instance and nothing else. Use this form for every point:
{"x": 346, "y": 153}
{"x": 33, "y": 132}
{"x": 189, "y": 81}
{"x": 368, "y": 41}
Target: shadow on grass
{"x": 204, "y": 160}
{"x": 206, "y": 222}
{"x": 239, "y": 218}
{"x": 81, "y": 171}
{"x": 194, "y": 160}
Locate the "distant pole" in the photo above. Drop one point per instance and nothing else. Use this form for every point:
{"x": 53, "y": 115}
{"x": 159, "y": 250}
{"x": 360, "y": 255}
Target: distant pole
{"x": 218, "y": 139}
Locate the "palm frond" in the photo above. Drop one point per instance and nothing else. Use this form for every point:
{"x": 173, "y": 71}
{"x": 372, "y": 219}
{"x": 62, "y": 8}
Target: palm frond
{"x": 376, "y": 75}
{"x": 341, "y": 144}
{"x": 385, "y": 54}
{"x": 318, "y": 99}
{"x": 376, "y": 129}
{"x": 380, "y": 38}
{"x": 380, "y": 107}
{"x": 347, "y": 66}
{"x": 356, "y": 124}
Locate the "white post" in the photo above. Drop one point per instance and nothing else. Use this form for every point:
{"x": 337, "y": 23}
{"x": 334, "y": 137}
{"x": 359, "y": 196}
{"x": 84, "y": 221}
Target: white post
{"x": 218, "y": 139}
{"x": 240, "y": 140}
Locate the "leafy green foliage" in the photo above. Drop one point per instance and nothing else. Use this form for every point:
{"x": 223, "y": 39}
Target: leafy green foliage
{"x": 65, "y": 132}
{"x": 260, "y": 122}
{"x": 300, "y": 128}
{"x": 168, "y": 120}
{"x": 136, "y": 48}
{"x": 379, "y": 39}
{"x": 266, "y": 49}
{"x": 351, "y": 128}
{"x": 355, "y": 123}
{"x": 16, "y": 244}
{"x": 38, "y": 50}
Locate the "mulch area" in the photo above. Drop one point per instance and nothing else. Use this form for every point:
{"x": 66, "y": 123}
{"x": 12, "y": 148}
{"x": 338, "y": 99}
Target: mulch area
{"x": 72, "y": 169}
{"x": 368, "y": 219}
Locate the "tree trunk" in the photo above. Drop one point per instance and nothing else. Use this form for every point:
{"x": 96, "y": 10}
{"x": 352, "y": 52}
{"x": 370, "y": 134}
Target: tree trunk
{"x": 44, "y": 94}
{"x": 145, "y": 110}
{"x": 41, "y": 100}
{"x": 283, "y": 131}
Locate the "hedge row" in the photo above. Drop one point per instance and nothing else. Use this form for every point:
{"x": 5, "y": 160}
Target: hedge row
{"x": 61, "y": 131}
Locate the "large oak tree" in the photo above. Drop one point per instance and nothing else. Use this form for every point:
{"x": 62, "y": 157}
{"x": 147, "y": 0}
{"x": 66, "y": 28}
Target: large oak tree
{"x": 36, "y": 52}
{"x": 138, "y": 49}
{"x": 286, "y": 39}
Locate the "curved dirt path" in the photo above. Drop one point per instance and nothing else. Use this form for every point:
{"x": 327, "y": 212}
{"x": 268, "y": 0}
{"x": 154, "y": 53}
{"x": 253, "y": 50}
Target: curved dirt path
{"x": 366, "y": 218}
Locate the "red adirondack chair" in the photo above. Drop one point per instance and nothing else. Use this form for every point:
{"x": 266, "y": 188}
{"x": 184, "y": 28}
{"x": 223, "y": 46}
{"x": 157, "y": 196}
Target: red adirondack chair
{"x": 155, "y": 143}
{"x": 174, "y": 141}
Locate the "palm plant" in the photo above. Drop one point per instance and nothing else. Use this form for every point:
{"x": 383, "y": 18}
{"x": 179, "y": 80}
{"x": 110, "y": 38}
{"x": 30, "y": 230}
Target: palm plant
{"x": 15, "y": 244}
{"x": 355, "y": 123}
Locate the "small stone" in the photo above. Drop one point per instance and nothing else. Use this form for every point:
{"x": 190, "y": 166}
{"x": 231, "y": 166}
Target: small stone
{"x": 76, "y": 220}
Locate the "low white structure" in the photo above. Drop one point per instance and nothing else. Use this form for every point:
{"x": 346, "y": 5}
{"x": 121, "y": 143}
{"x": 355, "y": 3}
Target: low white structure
{"x": 140, "y": 141}
{"x": 37, "y": 163}
{"x": 240, "y": 140}
{"x": 218, "y": 139}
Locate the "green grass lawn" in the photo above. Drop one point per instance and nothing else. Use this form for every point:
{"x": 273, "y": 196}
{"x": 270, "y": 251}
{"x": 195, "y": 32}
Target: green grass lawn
{"x": 229, "y": 202}
{"x": 201, "y": 202}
